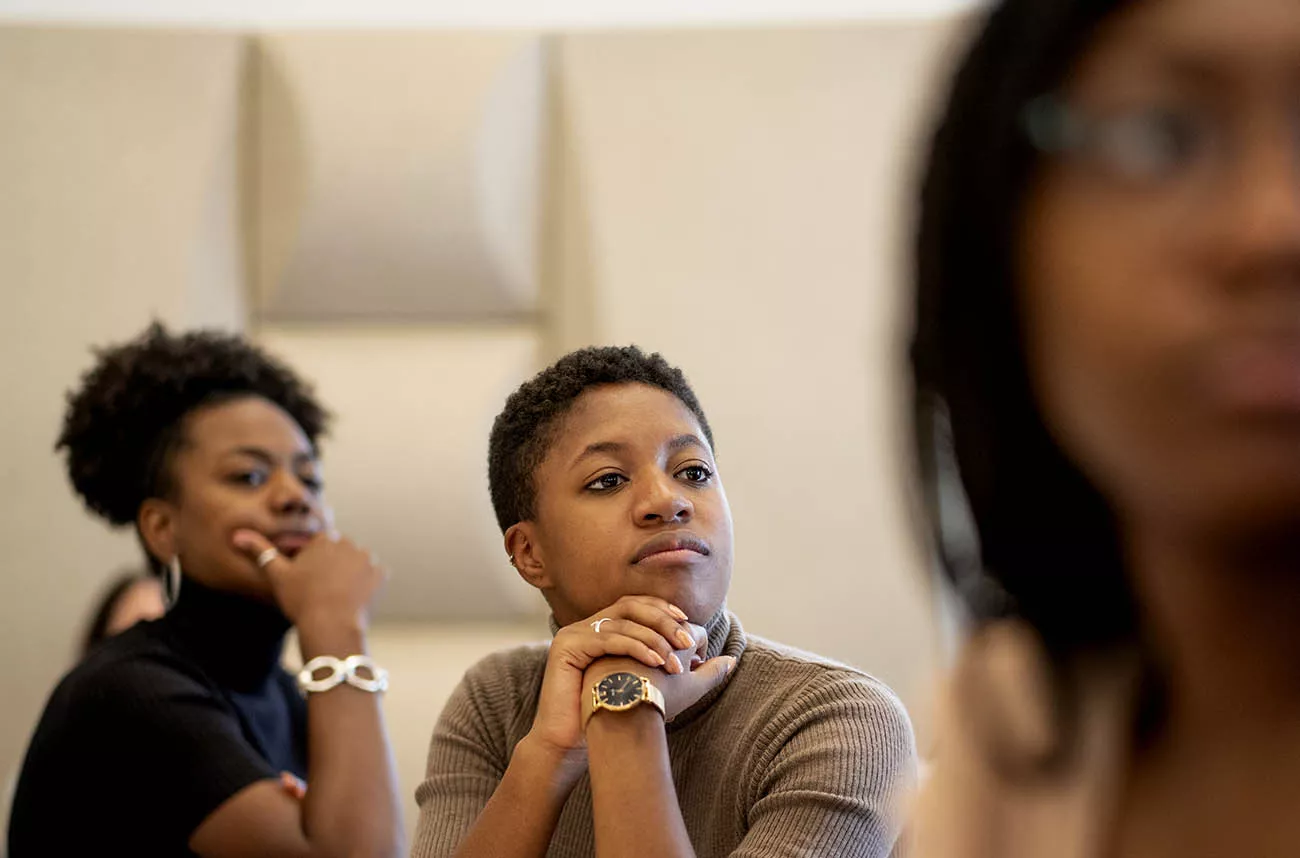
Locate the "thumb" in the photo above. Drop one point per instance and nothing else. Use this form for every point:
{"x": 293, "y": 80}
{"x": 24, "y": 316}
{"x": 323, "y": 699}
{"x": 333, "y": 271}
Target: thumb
{"x": 255, "y": 546}
{"x": 715, "y": 671}
{"x": 293, "y": 785}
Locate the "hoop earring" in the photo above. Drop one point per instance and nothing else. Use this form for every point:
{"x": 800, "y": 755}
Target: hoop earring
{"x": 172, "y": 586}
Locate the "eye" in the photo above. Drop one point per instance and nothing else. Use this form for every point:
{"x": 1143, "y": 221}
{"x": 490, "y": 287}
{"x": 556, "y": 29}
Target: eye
{"x": 313, "y": 483}
{"x": 695, "y": 474}
{"x": 251, "y": 479}
{"x": 606, "y": 482}
{"x": 1152, "y": 143}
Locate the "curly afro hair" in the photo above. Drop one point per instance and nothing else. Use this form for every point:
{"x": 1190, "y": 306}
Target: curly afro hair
{"x": 523, "y": 430}
{"x": 125, "y": 420}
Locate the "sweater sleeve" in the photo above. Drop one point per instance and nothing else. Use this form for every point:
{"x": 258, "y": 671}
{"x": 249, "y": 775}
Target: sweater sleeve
{"x": 173, "y": 745}
{"x": 468, "y": 754}
{"x": 833, "y": 774}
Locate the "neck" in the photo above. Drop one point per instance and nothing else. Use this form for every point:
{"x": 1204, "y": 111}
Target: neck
{"x": 236, "y": 639}
{"x": 1224, "y": 621}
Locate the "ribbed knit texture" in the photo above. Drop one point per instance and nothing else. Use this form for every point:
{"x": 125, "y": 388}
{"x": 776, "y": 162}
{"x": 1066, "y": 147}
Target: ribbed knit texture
{"x": 793, "y": 756}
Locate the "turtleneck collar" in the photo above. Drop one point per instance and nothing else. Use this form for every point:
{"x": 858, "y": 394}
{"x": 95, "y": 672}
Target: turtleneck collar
{"x": 235, "y": 639}
{"x": 726, "y": 637}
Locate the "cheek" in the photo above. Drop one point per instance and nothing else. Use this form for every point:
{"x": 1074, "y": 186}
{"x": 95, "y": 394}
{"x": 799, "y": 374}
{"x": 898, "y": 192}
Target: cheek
{"x": 581, "y": 546}
{"x": 211, "y": 513}
{"x": 1106, "y": 322}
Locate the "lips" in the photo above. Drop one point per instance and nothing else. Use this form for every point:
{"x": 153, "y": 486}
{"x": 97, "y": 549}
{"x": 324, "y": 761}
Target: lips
{"x": 290, "y": 542}
{"x": 666, "y": 542}
{"x": 1261, "y": 374}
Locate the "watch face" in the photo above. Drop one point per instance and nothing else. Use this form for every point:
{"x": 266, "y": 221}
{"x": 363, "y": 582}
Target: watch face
{"x": 619, "y": 689}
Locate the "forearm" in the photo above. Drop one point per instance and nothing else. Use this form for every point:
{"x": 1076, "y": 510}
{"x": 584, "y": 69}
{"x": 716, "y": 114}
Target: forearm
{"x": 351, "y": 806}
{"x": 520, "y": 818}
{"x": 634, "y": 802}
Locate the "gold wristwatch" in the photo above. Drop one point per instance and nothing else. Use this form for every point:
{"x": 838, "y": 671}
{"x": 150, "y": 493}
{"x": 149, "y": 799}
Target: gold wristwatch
{"x": 619, "y": 692}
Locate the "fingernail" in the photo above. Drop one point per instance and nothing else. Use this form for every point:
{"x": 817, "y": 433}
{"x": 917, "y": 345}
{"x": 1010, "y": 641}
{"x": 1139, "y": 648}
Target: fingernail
{"x": 659, "y": 659}
{"x": 674, "y": 665}
{"x": 731, "y": 664}
{"x": 685, "y": 640}
{"x": 678, "y": 613}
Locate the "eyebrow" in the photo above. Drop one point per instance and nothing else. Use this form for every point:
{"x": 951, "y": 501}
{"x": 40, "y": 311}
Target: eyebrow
{"x": 264, "y": 456}
{"x": 675, "y": 444}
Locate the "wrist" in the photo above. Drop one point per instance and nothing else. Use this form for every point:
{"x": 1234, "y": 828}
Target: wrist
{"x": 331, "y": 634}
{"x": 542, "y": 761}
{"x": 641, "y": 725}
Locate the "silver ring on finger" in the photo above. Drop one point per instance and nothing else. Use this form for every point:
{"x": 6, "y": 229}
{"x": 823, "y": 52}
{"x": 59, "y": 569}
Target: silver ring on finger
{"x": 264, "y": 559}
{"x": 596, "y": 625}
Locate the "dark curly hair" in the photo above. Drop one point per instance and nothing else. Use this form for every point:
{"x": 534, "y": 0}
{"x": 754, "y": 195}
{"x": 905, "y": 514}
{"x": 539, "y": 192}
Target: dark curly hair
{"x": 523, "y": 430}
{"x": 1048, "y": 548}
{"x": 126, "y": 418}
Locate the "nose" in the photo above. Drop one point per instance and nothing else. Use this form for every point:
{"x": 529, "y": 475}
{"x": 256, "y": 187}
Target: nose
{"x": 663, "y": 502}
{"x": 289, "y": 496}
{"x": 1262, "y": 215}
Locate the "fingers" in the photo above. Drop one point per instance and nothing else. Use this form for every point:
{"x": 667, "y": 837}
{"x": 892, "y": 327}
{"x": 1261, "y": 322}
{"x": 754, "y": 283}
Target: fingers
{"x": 713, "y": 672}
{"x": 293, "y": 785}
{"x": 580, "y": 649}
{"x": 257, "y": 548}
{"x": 666, "y": 619}
{"x": 701, "y": 651}
{"x": 670, "y": 659}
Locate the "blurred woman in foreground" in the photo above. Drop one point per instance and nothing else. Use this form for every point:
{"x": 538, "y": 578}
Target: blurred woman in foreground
{"x": 1107, "y": 357}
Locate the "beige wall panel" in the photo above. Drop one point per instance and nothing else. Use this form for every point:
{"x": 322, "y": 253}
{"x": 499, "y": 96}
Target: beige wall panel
{"x": 118, "y": 203}
{"x": 400, "y": 174}
{"x": 733, "y": 199}
{"x": 406, "y": 463}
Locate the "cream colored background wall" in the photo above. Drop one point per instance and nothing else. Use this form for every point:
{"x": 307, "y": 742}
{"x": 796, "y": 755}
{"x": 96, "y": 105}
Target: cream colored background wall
{"x": 117, "y": 204}
{"x": 731, "y": 198}
{"x": 741, "y": 198}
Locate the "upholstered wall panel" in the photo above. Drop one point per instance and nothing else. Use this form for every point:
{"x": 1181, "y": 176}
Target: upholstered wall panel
{"x": 406, "y": 464}
{"x": 399, "y": 175}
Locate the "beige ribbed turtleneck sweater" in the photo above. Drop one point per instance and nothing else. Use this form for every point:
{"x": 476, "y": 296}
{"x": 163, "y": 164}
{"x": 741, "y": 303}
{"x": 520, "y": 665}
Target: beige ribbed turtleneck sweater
{"x": 793, "y": 756}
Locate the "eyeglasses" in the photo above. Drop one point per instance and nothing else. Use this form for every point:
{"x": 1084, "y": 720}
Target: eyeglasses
{"x": 1155, "y": 146}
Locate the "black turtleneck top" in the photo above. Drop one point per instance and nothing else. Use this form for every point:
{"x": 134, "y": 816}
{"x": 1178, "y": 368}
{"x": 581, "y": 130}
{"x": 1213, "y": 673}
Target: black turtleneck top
{"x": 156, "y": 728}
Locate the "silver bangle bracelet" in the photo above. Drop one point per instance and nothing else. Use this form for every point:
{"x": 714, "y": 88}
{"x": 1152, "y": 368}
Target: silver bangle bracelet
{"x": 342, "y": 670}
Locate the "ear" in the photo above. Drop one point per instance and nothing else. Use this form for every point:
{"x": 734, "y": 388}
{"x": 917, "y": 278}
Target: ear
{"x": 526, "y": 555}
{"x": 156, "y": 522}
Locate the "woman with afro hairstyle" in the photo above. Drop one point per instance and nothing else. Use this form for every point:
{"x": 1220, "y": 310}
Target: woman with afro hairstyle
{"x": 183, "y": 735}
{"x": 1107, "y": 366}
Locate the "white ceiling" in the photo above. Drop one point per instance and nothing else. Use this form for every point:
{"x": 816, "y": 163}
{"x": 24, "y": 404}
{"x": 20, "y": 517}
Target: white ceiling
{"x": 473, "y": 13}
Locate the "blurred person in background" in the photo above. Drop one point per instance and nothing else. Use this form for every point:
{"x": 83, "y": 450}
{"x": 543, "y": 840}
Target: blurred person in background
{"x": 1107, "y": 365}
{"x": 170, "y": 738}
{"x": 653, "y": 723}
{"x": 128, "y": 599}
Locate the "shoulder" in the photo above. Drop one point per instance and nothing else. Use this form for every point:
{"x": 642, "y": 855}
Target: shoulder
{"x": 500, "y": 685}
{"x": 800, "y": 688}
{"x": 129, "y": 670}
{"x": 507, "y": 667}
{"x": 810, "y": 675}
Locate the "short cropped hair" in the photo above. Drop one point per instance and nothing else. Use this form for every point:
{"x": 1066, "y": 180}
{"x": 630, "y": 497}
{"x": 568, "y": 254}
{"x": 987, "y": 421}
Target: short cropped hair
{"x": 523, "y": 431}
